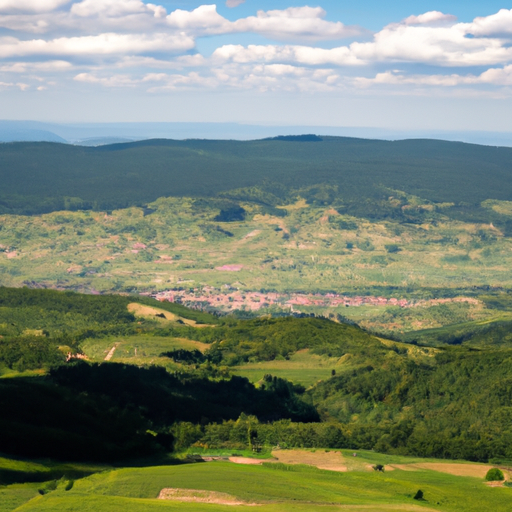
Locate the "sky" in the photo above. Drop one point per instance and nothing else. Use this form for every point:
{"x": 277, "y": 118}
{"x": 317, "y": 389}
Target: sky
{"x": 443, "y": 65}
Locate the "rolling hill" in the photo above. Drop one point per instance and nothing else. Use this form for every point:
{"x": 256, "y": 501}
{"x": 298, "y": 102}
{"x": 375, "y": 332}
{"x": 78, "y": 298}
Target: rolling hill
{"x": 43, "y": 177}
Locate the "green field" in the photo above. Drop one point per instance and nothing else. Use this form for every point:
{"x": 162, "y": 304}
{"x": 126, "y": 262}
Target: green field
{"x": 137, "y": 349}
{"x": 301, "y": 368}
{"x": 272, "y": 487}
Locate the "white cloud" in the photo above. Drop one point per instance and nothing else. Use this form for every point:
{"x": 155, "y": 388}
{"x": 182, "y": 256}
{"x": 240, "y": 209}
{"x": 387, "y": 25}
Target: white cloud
{"x": 48, "y": 66}
{"x": 151, "y": 48}
{"x": 35, "y": 6}
{"x": 305, "y": 23}
{"x": 20, "y": 85}
{"x": 441, "y": 46}
{"x": 234, "y": 3}
{"x": 112, "y": 81}
{"x": 89, "y": 46}
{"x": 493, "y": 76}
{"x": 114, "y": 8}
{"x": 495, "y": 25}
{"x": 203, "y": 20}
{"x": 430, "y": 18}
{"x": 295, "y": 54}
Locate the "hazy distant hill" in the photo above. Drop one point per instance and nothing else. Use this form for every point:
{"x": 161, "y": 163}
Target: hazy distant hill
{"x": 15, "y": 135}
{"x": 37, "y": 177}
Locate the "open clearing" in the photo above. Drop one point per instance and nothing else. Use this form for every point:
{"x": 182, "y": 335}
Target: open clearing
{"x": 150, "y": 312}
{"x": 138, "y": 349}
{"x": 303, "y": 367}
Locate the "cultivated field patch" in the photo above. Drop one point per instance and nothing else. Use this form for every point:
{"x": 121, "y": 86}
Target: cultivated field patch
{"x": 199, "y": 496}
{"x": 322, "y": 459}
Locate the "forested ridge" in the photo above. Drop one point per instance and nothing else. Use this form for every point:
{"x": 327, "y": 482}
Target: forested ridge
{"x": 448, "y": 402}
{"x": 43, "y": 177}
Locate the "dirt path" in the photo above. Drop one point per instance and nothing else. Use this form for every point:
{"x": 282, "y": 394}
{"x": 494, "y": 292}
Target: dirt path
{"x": 108, "y": 357}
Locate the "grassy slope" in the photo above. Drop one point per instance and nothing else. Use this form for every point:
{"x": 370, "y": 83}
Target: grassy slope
{"x": 294, "y": 488}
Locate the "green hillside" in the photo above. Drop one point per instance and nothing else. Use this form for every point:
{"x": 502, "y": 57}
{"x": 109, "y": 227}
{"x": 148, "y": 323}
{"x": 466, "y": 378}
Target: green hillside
{"x": 42, "y": 177}
{"x": 221, "y": 486}
{"x": 182, "y": 382}
{"x": 142, "y": 387}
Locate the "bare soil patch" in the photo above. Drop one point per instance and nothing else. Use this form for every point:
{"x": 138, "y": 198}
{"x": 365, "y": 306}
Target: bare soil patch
{"x": 330, "y": 460}
{"x": 473, "y": 470}
{"x": 200, "y": 496}
{"x": 495, "y": 484}
{"x": 248, "y": 460}
{"x": 252, "y": 233}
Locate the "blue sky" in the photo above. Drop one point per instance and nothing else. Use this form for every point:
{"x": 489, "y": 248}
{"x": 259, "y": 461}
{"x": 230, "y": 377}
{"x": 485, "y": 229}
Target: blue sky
{"x": 444, "y": 65}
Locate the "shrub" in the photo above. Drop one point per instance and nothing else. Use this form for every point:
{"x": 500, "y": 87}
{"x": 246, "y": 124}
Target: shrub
{"x": 392, "y": 248}
{"x": 494, "y": 475}
{"x": 418, "y": 495}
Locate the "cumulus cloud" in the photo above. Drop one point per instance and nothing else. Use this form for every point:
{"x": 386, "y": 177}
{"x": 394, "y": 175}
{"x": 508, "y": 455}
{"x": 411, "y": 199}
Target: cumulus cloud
{"x": 131, "y": 43}
{"x": 495, "y": 25}
{"x": 203, "y": 20}
{"x": 89, "y": 46}
{"x": 442, "y": 46}
{"x": 297, "y": 54}
{"x": 116, "y": 8}
{"x": 430, "y": 18}
{"x": 306, "y": 23}
{"x": 34, "y": 6}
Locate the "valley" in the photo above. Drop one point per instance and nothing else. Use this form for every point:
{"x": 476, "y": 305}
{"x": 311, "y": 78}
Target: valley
{"x": 338, "y": 339}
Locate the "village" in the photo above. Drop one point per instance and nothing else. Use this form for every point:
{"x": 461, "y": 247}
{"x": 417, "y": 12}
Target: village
{"x": 232, "y": 299}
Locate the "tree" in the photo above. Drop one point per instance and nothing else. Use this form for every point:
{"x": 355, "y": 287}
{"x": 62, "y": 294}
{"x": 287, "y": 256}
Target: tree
{"x": 419, "y": 495}
{"x": 494, "y": 475}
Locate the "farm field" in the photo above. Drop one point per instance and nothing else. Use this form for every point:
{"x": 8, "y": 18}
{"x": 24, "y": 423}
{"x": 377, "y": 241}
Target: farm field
{"x": 137, "y": 349}
{"x": 303, "y": 368}
{"x": 272, "y": 486}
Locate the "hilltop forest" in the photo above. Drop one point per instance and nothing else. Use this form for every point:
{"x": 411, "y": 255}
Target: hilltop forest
{"x": 354, "y": 173}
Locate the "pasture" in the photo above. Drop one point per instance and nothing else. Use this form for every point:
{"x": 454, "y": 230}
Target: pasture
{"x": 303, "y": 368}
{"x": 137, "y": 349}
{"x": 277, "y": 486}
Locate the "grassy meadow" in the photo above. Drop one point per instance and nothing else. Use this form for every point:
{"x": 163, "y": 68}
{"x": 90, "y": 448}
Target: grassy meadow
{"x": 273, "y": 486}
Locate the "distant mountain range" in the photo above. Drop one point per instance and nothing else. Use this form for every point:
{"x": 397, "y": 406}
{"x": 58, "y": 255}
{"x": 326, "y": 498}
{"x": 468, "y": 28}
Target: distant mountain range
{"x": 96, "y": 134}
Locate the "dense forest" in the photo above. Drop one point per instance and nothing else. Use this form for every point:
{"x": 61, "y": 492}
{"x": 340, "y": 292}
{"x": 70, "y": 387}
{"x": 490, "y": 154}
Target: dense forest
{"x": 448, "y": 401}
{"x": 357, "y": 174}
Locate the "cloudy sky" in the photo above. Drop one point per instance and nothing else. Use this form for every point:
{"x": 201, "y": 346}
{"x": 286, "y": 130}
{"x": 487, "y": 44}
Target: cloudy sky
{"x": 415, "y": 64}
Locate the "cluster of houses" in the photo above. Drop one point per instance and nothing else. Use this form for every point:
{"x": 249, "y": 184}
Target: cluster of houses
{"x": 234, "y": 299}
